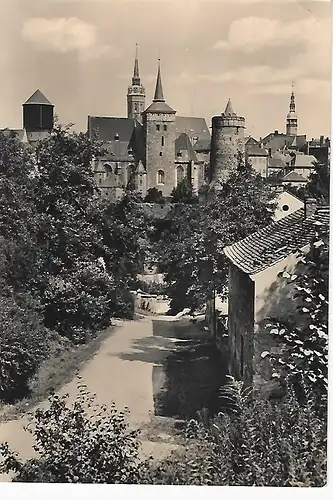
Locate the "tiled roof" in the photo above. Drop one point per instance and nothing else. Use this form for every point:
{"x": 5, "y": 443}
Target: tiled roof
{"x": 193, "y": 127}
{"x": 159, "y": 107}
{"x": 18, "y": 133}
{"x": 117, "y": 151}
{"x": 202, "y": 145}
{"x": 256, "y": 151}
{"x": 38, "y": 98}
{"x": 183, "y": 143}
{"x": 293, "y": 176}
{"x": 278, "y": 141}
{"x": 105, "y": 128}
{"x": 251, "y": 141}
{"x": 275, "y": 242}
{"x": 304, "y": 161}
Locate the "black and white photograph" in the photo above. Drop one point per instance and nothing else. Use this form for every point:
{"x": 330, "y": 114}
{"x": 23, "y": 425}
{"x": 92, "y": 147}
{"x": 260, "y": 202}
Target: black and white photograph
{"x": 164, "y": 246}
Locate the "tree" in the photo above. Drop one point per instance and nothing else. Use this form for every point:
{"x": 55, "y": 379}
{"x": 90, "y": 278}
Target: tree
{"x": 79, "y": 443}
{"x": 183, "y": 193}
{"x": 191, "y": 247}
{"x": 154, "y": 196}
{"x": 19, "y": 220}
{"x": 303, "y": 356}
{"x": 318, "y": 186}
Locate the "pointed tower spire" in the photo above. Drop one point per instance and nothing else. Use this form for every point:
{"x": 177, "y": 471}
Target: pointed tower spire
{"x": 136, "y": 74}
{"x": 228, "y": 109}
{"x": 292, "y": 106}
{"x": 158, "y": 97}
{"x": 291, "y": 125}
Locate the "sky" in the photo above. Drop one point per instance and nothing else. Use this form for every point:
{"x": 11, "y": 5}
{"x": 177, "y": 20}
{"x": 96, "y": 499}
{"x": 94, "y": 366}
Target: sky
{"x": 80, "y": 54}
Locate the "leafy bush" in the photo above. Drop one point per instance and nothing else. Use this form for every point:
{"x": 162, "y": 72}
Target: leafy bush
{"x": 304, "y": 342}
{"x": 23, "y": 345}
{"x": 80, "y": 302}
{"x": 267, "y": 444}
{"x": 79, "y": 443}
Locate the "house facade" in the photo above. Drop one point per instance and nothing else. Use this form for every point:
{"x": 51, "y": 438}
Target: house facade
{"x": 255, "y": 289}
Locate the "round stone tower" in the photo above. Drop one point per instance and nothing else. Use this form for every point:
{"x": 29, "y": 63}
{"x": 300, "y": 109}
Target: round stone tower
{"x": 227, "y": 144}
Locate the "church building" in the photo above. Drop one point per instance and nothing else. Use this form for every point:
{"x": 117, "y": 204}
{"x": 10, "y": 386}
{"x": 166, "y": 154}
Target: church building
{"x": 152, "y": 147}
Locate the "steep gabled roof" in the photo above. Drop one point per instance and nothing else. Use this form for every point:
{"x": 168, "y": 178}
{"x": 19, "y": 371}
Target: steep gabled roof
{"x": 106, "y": 128}
{"x": 293, "y": 176}
{"x": 305, "y": 161}
{"x": 183, "y": 143}
{"x": 275, "y": 242}
{"x": 194, "y": 127}
{"x": 202, "y": 145}
{"x": 38, "y": 98}
{"x": 256, "y": 151}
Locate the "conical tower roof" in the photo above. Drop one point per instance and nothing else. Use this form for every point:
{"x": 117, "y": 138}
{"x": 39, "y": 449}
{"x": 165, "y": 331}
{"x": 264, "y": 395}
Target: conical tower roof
{"x": 38, "y": 98}
{"x": 228, "y": 109}
{"x": 159, "y": 105}
{"x": 136, "y": 73}
{"x": 158, "y": 97}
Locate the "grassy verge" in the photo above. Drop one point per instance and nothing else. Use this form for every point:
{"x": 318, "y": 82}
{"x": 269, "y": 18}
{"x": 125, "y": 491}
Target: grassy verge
{"x": 58, "y": 369}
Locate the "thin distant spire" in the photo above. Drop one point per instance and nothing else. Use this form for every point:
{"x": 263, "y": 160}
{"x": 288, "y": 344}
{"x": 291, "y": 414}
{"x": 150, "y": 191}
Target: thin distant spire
{"x": 136, "y": 74}
{"x": 158, "y": 97}
{"x": 228, "y": 109}
{"x": 292, "y": 106}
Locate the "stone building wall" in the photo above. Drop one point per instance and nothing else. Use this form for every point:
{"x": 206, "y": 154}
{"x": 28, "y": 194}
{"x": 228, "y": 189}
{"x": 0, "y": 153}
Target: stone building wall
{"x": 227, "y": 143}
{"x": 241, "y": 325}
{"x": 160, "y": 136}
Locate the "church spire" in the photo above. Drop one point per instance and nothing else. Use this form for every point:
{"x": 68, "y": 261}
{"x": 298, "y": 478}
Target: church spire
{"x": 158, "y": 97}
{"x": 291, "y": 125}
{"x": 136, "y": 74}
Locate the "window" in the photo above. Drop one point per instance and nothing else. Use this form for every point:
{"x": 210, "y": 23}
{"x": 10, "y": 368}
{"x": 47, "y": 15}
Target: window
{"x": 160, "y": 177}
{"x": 165, "y": 128}
{"x": 162, "y": 140}
{"x": 242, "y": 356}
{"x": 161, "y": 153}
{"x": 285, "y": 208}
{"x": 157, "y": 127}
{"x": 180, "y": 174}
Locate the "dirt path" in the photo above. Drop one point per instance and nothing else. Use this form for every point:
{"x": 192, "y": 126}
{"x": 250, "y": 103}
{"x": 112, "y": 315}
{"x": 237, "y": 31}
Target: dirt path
{"x": 121, "y": 371}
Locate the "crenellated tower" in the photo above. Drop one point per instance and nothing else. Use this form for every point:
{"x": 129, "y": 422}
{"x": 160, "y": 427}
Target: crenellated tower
{"x": 136, "y": 94}
{"x": 227, "y": 143}
{"x": 291, "y": 125}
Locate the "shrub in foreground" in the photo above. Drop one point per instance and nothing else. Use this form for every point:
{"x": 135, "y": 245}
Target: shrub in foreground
{"x": 23, "y": 345}
{"x": 267, "y": 444}
{"x": 79, "y": 443}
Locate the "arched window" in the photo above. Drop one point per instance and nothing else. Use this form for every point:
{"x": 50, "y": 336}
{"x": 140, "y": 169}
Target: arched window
{"x": 160, "y": 177}
{"x": 108, "y": 168}
{"x": 180, "y": 174}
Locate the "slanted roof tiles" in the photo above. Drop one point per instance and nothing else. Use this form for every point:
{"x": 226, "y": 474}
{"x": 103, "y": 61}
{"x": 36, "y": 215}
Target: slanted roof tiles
{"x": 275, "y": 242}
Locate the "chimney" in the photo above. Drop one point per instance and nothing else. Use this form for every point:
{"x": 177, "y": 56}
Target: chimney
{"x": 310, "y": 207}
{"x": 321, "y": 140}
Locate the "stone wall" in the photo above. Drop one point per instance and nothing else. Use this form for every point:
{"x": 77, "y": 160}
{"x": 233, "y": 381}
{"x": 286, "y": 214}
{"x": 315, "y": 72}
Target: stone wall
{"x": 160, "y": 150}
{"x": 153, "y": 304}
{"x": 227, "y": 144}
{"x": 241, "y": 325}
